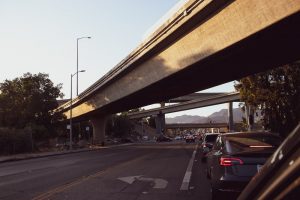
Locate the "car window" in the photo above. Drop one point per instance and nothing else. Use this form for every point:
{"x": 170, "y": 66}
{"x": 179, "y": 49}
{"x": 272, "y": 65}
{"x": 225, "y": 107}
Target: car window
{"x": 243, "y": 142}
{"x": 211, "y": 138}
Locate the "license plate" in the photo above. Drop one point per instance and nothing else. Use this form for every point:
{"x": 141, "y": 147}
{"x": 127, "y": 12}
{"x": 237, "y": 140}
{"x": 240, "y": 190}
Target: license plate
{"x": 259, "y": 167}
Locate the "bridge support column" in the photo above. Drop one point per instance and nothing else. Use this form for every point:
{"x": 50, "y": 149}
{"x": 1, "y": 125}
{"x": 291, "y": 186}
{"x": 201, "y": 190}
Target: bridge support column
{"x": 230, "y": 117}
{"x": 249, "y": 116}
{"x": 99, "y": 124}
{"x": 160, "y": 123}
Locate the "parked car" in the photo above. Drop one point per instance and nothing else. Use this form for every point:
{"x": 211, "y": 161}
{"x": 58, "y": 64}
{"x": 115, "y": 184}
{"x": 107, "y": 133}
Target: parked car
{"x": 189, "y": 138}
{"x": 145, "y": 137}
{"x": 178, "y": 137}
{"x": 207, "y": 143}
{"x": 162, "y": 138}
{"x": 236, "y": 157}
{"x": 279, "y": 177}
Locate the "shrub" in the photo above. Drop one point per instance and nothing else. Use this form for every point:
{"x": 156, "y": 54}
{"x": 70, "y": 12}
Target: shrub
{"x": 14, "y": 141}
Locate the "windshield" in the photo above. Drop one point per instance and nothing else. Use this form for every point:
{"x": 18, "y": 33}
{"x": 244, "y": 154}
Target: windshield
{"x": 211, "y": 138}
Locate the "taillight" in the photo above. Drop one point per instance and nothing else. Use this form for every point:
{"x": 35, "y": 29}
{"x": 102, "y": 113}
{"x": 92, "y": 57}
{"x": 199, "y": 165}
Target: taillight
{"x": 230, "y": 161}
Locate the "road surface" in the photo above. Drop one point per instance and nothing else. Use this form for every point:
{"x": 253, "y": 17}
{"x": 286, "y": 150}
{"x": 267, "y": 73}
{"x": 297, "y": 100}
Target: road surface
{"x": 139, "y": 171}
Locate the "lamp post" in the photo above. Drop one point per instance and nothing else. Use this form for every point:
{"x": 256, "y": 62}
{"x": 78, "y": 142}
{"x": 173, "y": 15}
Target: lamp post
{"x": 71, "y": 101}
{"x": 77, "y": 60}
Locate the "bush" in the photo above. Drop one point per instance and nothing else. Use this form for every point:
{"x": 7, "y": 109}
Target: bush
{"x": 14, "y": 141}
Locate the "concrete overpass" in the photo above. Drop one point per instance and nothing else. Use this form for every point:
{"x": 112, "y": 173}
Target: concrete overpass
{"x": 194, "y": 96}
{"x": 206, "y": 100}
{"x": 196, "y": 103}
{"x": 198, "y": 125}
{"x": 204, "y": 44}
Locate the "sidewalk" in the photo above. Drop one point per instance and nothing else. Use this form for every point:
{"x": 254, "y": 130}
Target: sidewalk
{"x": 48, "y": 154}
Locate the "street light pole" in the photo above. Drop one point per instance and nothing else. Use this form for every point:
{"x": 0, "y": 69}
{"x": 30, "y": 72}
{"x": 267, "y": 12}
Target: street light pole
{"x": 71, "y": 101}
{"x": 71, "y": 114}
{"x": 77, "y": 60}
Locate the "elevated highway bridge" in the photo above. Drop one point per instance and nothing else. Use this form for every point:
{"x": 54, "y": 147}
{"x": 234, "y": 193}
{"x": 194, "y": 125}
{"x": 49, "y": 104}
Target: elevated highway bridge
{"x": 204, "y": 44}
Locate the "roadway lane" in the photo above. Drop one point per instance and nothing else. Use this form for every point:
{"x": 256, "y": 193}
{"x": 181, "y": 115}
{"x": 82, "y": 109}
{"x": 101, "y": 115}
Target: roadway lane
{"x": 145, "y": 171}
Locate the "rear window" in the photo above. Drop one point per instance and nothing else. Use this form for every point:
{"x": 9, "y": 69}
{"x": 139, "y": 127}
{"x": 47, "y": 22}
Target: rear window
{"x": 252, "y": 142}
{"x": 211, "y": 138}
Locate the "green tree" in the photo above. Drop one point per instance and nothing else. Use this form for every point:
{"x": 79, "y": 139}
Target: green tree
{"x": 277, "y": 94}
{"x": 27, "y": 102}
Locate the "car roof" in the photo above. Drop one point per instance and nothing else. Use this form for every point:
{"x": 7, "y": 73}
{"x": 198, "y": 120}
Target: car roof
{"x": 258, "y": 133}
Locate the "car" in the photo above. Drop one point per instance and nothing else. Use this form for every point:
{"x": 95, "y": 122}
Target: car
{"x": 236, "y": 157}
{"x": 279, "y": 177}
{"x": 145, "y": 137}
{"x": 178, "y": 137}
{"x": 163, "y": 138}
{"x": 189, "y": 138}
{"x": 207, "y": 143}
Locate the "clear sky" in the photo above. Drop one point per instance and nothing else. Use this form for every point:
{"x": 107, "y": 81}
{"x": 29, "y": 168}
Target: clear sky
{"x": 40, "y": 36}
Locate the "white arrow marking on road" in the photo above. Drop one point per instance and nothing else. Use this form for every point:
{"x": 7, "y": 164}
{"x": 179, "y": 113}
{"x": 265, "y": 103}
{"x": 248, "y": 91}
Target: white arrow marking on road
{"x": 158, "y": 182}
{"x": 129, "y": 179}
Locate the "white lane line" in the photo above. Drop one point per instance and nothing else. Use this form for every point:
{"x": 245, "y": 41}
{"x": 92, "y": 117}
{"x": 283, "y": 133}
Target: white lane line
{"x": 188, "y": 173}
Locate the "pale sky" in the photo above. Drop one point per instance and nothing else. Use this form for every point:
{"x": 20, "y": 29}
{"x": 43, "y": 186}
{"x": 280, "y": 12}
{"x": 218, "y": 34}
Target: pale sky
{"x": 40, "y": 36}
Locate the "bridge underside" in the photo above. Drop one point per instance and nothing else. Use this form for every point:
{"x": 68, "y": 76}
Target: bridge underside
{"x": 267, "y": 49}
{"x": 215, "y": 42}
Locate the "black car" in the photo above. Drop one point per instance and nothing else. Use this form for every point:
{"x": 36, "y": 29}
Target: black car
{"x": 207, "y": 143}
{"x": 236, "y": 157}
{"x": 279, "y": 177}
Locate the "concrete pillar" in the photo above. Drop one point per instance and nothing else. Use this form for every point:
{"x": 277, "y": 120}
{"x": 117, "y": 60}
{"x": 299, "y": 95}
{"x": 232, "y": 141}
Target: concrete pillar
{"x": 99, "y": 124}
{"x": 230, "y": 117}
{"x": 160, "y": 123}
{"x": 249, "y": 116}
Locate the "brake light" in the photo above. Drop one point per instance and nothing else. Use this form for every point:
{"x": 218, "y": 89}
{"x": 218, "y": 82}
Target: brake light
{"x": 260, "y": 146}
{"x": 230, "y": 161}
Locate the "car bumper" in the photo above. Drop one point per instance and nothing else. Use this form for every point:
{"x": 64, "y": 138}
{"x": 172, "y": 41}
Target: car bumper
{"x": 231, "y": 184}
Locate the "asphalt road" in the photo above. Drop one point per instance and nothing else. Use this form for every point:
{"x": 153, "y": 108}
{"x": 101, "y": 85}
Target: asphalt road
{"x": 145, "y": 171}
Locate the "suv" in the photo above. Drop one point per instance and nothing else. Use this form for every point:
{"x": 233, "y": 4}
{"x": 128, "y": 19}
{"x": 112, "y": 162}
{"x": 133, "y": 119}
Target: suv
{"x": 207, "y": 143}
{"x": 236, "y": 157}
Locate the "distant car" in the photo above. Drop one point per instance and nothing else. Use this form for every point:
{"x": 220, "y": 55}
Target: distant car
{"x": 178, "y": 137}
{"x": 279, "y": 177}
{"x": 189, "y": 138}
{"x": 145, "y": 137}
{"x": 236, "y": 157}
{"x": 207, "y": 143}
{"x": 162, "y": 138}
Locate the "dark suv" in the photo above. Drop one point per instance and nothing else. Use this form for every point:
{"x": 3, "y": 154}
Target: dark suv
{"x": 236, "y": 157}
